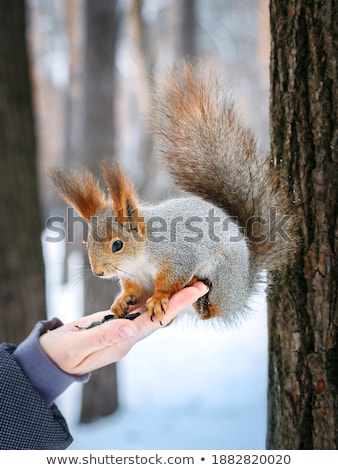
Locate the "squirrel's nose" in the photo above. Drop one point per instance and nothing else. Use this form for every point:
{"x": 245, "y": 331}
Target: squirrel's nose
{"x": 98, "y": 273}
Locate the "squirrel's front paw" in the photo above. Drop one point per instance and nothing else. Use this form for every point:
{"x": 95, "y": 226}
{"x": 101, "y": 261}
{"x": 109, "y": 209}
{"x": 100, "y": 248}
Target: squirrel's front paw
{"x": 157, "y": 305}
{"x": 121, "y": 306}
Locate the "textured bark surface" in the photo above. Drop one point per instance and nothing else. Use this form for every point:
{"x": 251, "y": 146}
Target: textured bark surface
{"x": 22, "y": 288}
{"x": 303, "y": 311}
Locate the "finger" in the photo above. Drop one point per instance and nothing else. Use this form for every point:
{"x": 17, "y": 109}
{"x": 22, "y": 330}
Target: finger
{"x": 104, "y": 356}
{"x": 84, "y": 322}
{"x": 187, "y": 295}
{"x": 108, "y": 334}
{"x": 184, "y": 298}
{"x": 178, "y": 302}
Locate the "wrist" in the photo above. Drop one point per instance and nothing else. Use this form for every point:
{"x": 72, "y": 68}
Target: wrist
{"x": 45, "y": 376}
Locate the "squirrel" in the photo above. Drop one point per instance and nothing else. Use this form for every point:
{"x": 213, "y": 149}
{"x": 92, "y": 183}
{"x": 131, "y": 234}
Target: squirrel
{"x": 225, "y": 231}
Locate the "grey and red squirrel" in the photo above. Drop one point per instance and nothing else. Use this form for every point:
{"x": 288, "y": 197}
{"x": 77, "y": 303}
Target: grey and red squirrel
{"x": 236, "y": 221}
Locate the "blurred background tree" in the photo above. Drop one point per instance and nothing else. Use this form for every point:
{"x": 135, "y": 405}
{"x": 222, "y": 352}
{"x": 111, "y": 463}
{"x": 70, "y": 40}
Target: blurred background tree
{"x": 99, "y": 396}
{"x": 22, "y": 284}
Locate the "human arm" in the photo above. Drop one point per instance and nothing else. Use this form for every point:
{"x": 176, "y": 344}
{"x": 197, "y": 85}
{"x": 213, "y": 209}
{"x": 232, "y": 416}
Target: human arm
{"x": 28, "y": 419}
{"x": 78, "y": 351}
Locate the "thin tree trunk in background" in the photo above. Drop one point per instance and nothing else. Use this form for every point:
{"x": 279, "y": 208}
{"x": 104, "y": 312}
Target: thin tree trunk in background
{"x": 22, "y": 288}
{"x": 303, "y": 330}
{"x": 188, "y": 28}
{"x": 100, "y": 395}
{"x": 145, "y": 63}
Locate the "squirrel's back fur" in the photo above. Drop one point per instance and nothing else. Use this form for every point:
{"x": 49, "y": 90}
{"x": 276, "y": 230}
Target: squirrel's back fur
{"x": 210, "y": 154}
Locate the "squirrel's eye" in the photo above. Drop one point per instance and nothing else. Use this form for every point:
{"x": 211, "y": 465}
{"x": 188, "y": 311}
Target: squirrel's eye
{"x": 117, "y": 246}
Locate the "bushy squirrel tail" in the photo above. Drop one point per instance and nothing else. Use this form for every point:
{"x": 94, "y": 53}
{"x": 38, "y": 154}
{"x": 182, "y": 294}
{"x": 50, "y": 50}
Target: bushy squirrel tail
{"x": 211, "y": 155}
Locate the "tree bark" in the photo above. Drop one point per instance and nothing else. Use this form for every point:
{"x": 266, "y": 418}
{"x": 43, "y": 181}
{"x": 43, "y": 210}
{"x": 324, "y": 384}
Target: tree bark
{"x": 22, "y": 288}
{"x": 303, "y": 313}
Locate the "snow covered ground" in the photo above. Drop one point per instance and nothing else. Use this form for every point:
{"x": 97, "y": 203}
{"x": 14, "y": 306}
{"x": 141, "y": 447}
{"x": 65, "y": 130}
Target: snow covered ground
{"x": 189, "y": 386}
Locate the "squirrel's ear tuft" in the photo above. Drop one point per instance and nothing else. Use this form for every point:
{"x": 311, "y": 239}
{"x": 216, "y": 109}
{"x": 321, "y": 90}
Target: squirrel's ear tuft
{"x": 124, "y": 198}
{"x": 79, "y": 189}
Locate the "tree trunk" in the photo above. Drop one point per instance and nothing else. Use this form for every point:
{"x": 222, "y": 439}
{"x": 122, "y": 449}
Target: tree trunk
{"x": 303, "y": 313}
{"x": 22, "y": 289}
{"x": 100, "y": 396}
{"x": 188, "y": 28}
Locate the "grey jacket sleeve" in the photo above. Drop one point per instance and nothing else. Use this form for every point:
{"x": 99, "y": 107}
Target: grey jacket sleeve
{"x": 26, "y": 421}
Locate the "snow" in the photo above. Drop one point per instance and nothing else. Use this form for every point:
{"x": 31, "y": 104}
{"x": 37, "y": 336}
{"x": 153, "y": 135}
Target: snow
{"x": 188, "y": 386}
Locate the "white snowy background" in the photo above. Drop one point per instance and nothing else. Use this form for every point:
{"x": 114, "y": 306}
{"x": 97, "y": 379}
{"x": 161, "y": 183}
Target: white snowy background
{"x": 188, "y": 386}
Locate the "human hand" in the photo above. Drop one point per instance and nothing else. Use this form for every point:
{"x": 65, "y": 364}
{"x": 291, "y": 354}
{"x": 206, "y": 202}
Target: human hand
{"x": 77, "y": 350}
